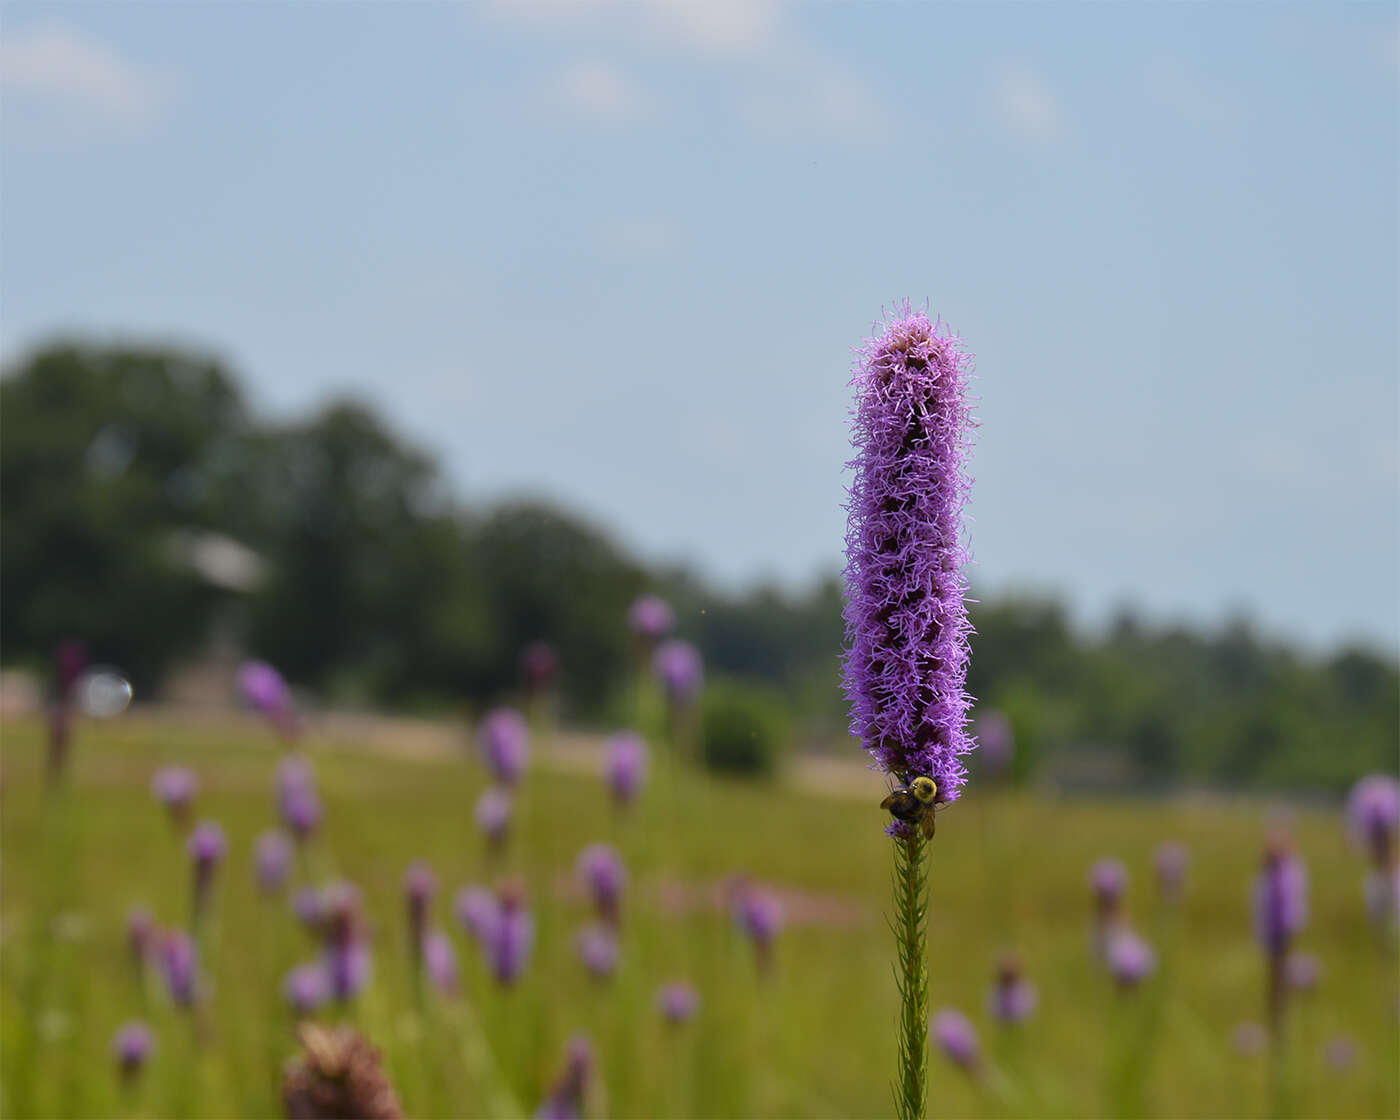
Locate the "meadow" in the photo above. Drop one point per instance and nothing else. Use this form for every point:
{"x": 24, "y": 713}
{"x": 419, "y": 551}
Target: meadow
{"x": 811, "y": 1037}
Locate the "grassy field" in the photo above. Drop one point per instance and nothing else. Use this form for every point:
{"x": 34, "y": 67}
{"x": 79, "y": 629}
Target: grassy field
{"x": 814, "y": 1039}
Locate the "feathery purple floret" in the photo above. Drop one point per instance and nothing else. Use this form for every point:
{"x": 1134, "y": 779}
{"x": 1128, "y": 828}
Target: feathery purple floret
{"x": 906, "y": 619}
{"x": 1280, "y": 899}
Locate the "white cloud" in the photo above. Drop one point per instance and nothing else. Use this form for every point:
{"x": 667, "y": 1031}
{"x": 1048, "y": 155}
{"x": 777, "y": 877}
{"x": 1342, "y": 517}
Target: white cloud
{"x": 56, "y": 74}
{"x": 1172, "y": 87}
{"x": 701, "y": 26}
{"x": 803, "y": 96}
{"x": 720, "y": 26}
{"x": 599, "y": 91}
{"x": 1027, "y": 106}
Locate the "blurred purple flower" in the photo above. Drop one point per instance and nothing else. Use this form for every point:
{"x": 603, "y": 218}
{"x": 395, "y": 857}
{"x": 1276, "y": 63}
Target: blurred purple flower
{"x": 1130, "y": 958}
{"x": 1108, "y": 879}
{"x": 348, "y": 966}
{"x": 175, "y": 788}
{"x": 1280, "y": 898}
{"x": 479, "y": 912}
{"x": 306, "y": 988}
{"x": 263, "y": 688}
{"x": 650, "y": 619}
{"x": 996, "y": 743}
{"x": 955, "y": 1035}
{"x": 493, "y": 815}
{"x": 678, "y": 666}
{"x": 510, "y": 943}
{"x": 678, "y": 1002}
{"x": 539, "y": 665}
{"x": 132, "y": 1045}
{"x": 602, "y": 874}
{"x": 140, "y": 935}
{"x": 440, "y": 961}
{"x": 1302, "y": 971}
{"x": 1014, "y": 998}
{"x": 906, "y": 619}
{"x": 1341, "y": 1053}
{"x": 294, "y": 774}
{"x": 273, "y": 860}
{"x": 505, "y": 744}
{"x": 566, "y": 1097}
{"x": 598, "y": 949}
{"x": 760, "y": 915}
{"x": 625, "y": 765}
{"x": 1373, "y": 814}
{"x": 301, "y": 813}
{"x": 1171, "y": 862}
{"x": 1250, "y": 1039}
{"x": 419, "y": 887}
{"x": 306, "y": 905}
{"x": 179, "y": 964}
{"x": 207, "y": 847}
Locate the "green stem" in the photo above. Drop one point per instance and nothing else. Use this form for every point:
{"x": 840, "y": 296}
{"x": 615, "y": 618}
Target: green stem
{"x": 911, "y": 935}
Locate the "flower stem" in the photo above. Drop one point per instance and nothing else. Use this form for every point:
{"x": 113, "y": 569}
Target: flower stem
{"x": 911, "y": 934}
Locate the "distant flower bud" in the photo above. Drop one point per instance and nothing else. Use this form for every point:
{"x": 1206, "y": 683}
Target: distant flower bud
{"x": 493, "y": 815}
{"x": 650, "y": 619}
{"x": 1280, "y": 898}
{"x": 602, "y": 874}
{"x": 179, "y": 964}
{"x": 1302, "y": 971}
{"x": 505, "y": 745}
{"x": 1373, "y": 814}
{"x": 175, "y": 787}
{"x": 625, "y": 766}
{"x": 598, "y": 949}
{"x": 306, "y": 988}
{"x": 955, "y": 1035}
{"x": 566, "y": 1097}
{"x": 273, "y": 860}
{"x": 1130, "y": 958}
{"x": 440, "y": 962}
{"x": 678, "y": 666}
{"x": 678, "y": 1002}
{"x": 132, "y": 1045}
{"x": 1171, "y": 862}
{"x": 1013, "y": 999}
{"x": 479, "y": 912}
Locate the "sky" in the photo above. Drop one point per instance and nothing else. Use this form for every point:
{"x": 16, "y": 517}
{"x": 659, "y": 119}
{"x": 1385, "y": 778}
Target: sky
{"x": 620, "y": 256}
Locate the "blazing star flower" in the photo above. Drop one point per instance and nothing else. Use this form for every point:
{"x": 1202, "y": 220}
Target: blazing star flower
{"x": 347, "y": 966}
{"x": 306, "y": 905}
{"x": 1108, "y": 879}
{"x": 678, "y": 1002}
{"x": 440, "y": 961}
{"x": 1280, "y": 898}
{"x": 263, "y": 688}
{"x": 1013, "y": 1000}
{"x": 508, "y": 949}
{"x": 955, "y": 1035}
{"x": 132, "y": 1045}
{"x": 1171, "y": 862}
{"x": 419, "y": 887}
{"x": 493, "y": 815}
{"x": 306, "y": 988}
{"x": 479, "y": 912}
{"x": 1130, "y": 958}
{"x": 505, "y": 744}
{"x": 760, "y": 915}
{"x": 539, "y": 665}
{"x": 206, "y": 847}
{"x": 566, "y": 1098}
{"x": 273, "y": 860}
{"x": 996, "y": 743}
{"x": 1302, "y": 971}
{"x": 179, "y": 964}
{"x": 1373, "y": 815}
{"x": 678, "y": 666}
{"x": 301, "y": 813}
{"x": 598, "y": 949}
{"x": 650, "y": 619}
{"x": 625, "y": 766}
{"x": 906, "y": 620}
{"x": 602, "y": 874}
{"x": 175, "y": 788}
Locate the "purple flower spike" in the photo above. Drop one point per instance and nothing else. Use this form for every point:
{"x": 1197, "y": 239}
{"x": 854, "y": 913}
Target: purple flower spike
{"x": 132, "y": 1045}
{"x": 179, "y": 964}
{"x": 301, "y": 813}
{"x": 625, "y": 766}
{"x": 598, "y": 949}
{"x": 906, "y": 620}
{"x": 493, "y": 816}
{"x": 760, "y": 915}
{"x": 1373, "y": 814}
{"x": 1171, "y": 862}
{"x": 348, "y": 966}
{"x": 650, "y": 619}
{"x": 306, "y": 988}
{"x": 1014, "y": 998}
{"x": 678, "y": 666}
{"x": 206, "y": 844}
{"x": 1302, "y": 971}
{"x": 479, "y": 912}
{"x": 440, "y": 962}
{"x": 505, "y": 744}
{"x": 273, "y": 860}
{"x": 175, "y": 788}
{"x": 1130, "y": 958}
{"x": 1108, "y": 879}
{"x": 306, "y": 905}
{"x": 263, "y": 688}
{"x": 566, "y": 1098}
{"x": 996, "y": 743}
{"x": 513, "y": 938}
{"x": 678, "y": 1002}
{"x": 601, "y": 871}
{"x": 1280, "y": 898}
{"x": 955, "y": 1035}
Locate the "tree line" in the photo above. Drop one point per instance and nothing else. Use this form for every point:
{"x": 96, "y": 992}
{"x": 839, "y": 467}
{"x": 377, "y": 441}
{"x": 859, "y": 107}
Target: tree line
{"x": 377, "y": 586}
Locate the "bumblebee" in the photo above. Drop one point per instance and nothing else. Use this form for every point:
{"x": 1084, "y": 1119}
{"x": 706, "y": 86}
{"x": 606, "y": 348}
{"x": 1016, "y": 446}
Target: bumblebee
{"x": 915, "y": 803}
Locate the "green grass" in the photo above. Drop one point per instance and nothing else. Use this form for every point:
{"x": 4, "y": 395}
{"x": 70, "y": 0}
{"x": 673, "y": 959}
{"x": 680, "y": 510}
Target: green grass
{"x": 817, "y": 1039}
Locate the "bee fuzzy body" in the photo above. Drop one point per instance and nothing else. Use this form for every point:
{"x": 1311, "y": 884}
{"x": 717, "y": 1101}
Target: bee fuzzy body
{"x": 914, "y": 803}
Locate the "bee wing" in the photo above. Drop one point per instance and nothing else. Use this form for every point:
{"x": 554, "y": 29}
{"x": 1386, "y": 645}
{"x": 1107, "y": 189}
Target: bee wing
{"x": 887, "y": 802}
{"x": 928, "y": 824}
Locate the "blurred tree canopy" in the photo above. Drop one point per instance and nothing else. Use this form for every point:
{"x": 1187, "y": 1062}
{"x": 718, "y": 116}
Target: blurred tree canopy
{"x": 377, "y": 587}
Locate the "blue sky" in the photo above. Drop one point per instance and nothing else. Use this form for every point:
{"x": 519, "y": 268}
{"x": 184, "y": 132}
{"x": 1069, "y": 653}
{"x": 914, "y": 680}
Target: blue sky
{"x": 619, "y": 255}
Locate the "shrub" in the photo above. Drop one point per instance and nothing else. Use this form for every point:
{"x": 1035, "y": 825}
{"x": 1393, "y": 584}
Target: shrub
{"x": 742, "y": 729}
